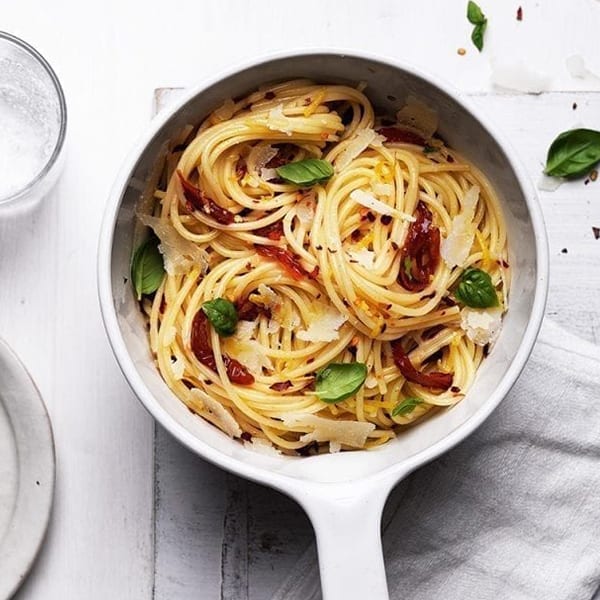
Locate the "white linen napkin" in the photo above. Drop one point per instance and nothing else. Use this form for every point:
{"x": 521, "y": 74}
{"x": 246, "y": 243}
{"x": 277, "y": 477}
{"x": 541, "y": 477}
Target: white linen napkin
{"x": 514, "y": 511}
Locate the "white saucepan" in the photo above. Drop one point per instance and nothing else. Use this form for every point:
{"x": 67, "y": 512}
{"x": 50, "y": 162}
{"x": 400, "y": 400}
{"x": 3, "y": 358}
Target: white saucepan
{"x": 342, "y": 493}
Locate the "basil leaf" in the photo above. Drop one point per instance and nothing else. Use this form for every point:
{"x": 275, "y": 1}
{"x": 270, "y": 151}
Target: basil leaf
{"x": 338, "y": 381}
{"x": 406, "y": 406}
{"x": 476, "y": 289}
{"x": 477, "y": 18}
{"x": 147, "y": 267}
{"x": 477, "y": 35}
{"x": 222, "y": 315}
{"x": 474, "y": 14}
{"x": 573, "y": 153}
{"x": 306, "y": 172}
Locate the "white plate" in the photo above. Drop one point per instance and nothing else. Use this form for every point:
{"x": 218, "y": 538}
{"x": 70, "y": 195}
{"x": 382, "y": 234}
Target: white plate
{"x": 26, "y": 471}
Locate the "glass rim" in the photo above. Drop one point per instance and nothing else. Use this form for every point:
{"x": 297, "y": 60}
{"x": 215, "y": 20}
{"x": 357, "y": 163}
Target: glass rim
{"x": 63, "y": 116}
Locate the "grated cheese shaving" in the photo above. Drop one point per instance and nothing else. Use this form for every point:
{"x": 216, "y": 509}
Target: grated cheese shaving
{"x": 324, "y": 325}
{"x": 369, "y": 201}
{"x": 258, "y": 157}
{"x": 268, "y": 174}
{"x": 262, "y": 446}
{"x": 277, "y": 121}
{"x": 455, "y": 248}
{"x": 348, "y": 433}
{"x": 481, "y": 326}
{"x": 361, "y": 141}
{"x": 225, "y": 111}
{"x": 246, "y": 350}
{"x": 177, "y": 368}
{"x": 179, "y": 254}
{"x": 365, "y": 258}
{"x": 218, "y": 413}
{"x": 417, "y": 115}
{"x": 305, "y": 209}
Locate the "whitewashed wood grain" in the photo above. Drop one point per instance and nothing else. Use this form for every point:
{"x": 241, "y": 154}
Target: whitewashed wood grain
{"x": 110, "y": 56}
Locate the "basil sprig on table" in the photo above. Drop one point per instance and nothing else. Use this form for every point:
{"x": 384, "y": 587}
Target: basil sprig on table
{"x": 307, "y": 172}
{"x": 222, "y": 315}
{"x": 573, "y": 153}
{"x": 476, "y": 289}
{"x": 338, "y": 381}
{"x": 406, "y": 406}
{"x": 147, "y": 267}
{"x": 477, "y": 18}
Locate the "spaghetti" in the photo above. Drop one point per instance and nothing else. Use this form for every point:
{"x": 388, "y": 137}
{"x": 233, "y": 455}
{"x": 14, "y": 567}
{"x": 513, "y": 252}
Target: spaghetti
{"x": 361, "y": 268}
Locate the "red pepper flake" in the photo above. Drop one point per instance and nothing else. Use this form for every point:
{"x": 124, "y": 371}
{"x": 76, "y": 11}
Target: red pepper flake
{"x": 436, "y": 379}
{"x": 269, "y": 95}
{"x": 455, "y": 389}
{"x": 519, "y": 14}
{"x": 288, "y": 261}
{"x": 504, "y": 263}
{"x": 586, "y": 182}
{"x": 200, "y": 201}
{"x": 596, "y": 232}
{"x": 356, "y": 235}
{"x": 385, "y": 219}
{"x": 274, "y": 231}
{"x": 204, "y": 353}
{"x": 564, "y": 251}
{"x": 370, "y": 217}
{"x": 246, "y": 436}
{"x": 405, "y": 136}
{"x": 420, "y": 254}
{"x": 574, "y": 107}
{"x": 163, "y": 305}
{"x": 310, "y": 360}
{"x": 281, "y": 386}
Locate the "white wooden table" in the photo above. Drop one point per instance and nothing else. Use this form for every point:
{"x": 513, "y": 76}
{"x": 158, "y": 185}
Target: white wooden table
{"x": 137, "y": 516}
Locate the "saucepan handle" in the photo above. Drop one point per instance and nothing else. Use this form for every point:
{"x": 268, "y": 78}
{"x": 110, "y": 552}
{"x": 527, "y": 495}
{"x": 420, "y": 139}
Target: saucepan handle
{"x": 347, "y": 524}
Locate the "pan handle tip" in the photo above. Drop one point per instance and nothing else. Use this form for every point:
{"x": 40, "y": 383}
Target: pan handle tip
{"x": 347, "y": 526}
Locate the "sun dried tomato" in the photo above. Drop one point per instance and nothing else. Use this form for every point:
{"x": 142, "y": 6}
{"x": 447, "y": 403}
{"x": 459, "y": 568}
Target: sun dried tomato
{"x": 281, "y": 386}
{"x": 420, "y": 254}
{"x": 204, "y": 353}
{"x": 397, "y": 134}
{"x": 431, "y": 380}
{"x": 198, "y": 200}
{"x": 288, "y": 261}
{"x": 274, "y": 231}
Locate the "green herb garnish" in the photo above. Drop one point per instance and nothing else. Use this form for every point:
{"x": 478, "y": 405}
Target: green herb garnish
{"x": 406, "y": 406}
{"x": 573, "y": 153}
{"x": 476, "y": 289}
{"x": 477, "y": 18}
{"x": 147, "y": 267}
{"x": 222, "y": 315}
{"x": 338, "y": 381}
{"x": 306, "y": 172}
